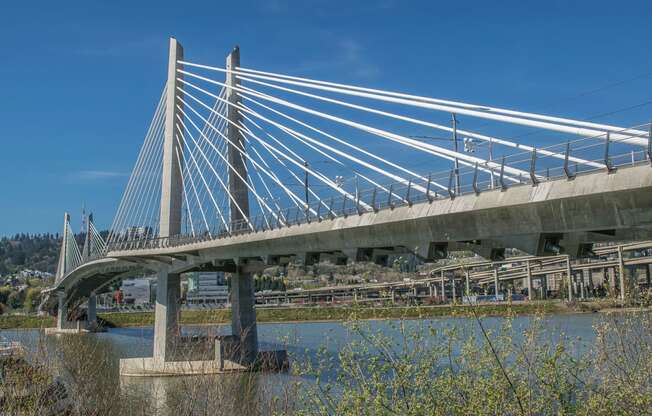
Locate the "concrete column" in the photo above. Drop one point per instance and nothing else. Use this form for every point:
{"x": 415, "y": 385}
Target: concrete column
{"x": 443, "y": 286}
{"x": 647, "y": 275}
{"x": 611, "y": 272}
{"x": 92, "y": 311}
{"x": 569, "y": 273}
{"x": 62, "y": 313}
{"x": 589, "y": 275}
{"x": 237, "y": 188}
{"x": 582, "y": 285}
{"x": 621, "y": 272}
{"x": 171, "y": 180}
{"x": 243, "y": 319}
{"x": 453, "y": 284}
{"x": 166, "y": 315}
{"x": 496, "y": 283}
{"x": 528, "y": 281}
{"x": 468, "y": 284}
{"x": 168, "y": 293}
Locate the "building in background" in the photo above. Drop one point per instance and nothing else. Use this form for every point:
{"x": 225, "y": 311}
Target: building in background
{"x": 207, "y": 287}
{"x": 136, "y": 291}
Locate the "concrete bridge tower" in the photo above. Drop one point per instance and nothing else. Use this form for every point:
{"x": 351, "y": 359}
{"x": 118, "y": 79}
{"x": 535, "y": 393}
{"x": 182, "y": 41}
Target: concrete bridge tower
{"x": 243, "y": 321}
{"x": 168, "y": 292}
{"x": 166, "y": 326}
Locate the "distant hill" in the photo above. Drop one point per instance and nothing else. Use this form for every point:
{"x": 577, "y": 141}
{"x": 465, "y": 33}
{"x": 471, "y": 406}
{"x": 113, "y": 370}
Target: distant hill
{"x": 29, "y": 251}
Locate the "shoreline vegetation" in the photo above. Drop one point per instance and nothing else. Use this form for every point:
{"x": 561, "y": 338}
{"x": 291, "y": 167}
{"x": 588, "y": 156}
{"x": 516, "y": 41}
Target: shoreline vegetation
{"x": 332, "y": 313}
{"x": 397, "y": 369}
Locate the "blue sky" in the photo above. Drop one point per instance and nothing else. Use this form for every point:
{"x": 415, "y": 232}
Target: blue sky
{"x": 81, "y": 79}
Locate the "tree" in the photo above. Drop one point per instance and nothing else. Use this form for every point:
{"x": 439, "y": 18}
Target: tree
{"x": 5, "y": 291}
{"x": 15, "y": 301}
{"x": 32, "y": 298}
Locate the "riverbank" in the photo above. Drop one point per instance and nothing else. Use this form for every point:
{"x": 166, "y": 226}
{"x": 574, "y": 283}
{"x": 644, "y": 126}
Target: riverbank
{"x": 330, "y": 313}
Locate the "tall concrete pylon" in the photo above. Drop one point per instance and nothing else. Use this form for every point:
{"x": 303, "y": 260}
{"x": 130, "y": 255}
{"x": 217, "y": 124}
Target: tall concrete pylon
{"x": 239, "y": 206}
{"x": 168, "y": 292}
{"x": 87, "y": 250}
{"x": 63, "y": 253}
{"x": 243, "y": 314}
{"x": 172, "y": 179}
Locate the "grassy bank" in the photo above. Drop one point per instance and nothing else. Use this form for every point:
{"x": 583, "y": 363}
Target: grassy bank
{"x": 24, "y": 322}
{"x": 337, "y": 313}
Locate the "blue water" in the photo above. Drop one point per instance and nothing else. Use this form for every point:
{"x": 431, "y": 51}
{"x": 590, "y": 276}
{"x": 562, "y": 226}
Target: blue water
{"x": 304, "y": 341}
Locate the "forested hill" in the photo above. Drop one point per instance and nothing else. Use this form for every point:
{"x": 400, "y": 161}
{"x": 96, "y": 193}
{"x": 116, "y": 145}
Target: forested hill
{"x": 24, "y": 251}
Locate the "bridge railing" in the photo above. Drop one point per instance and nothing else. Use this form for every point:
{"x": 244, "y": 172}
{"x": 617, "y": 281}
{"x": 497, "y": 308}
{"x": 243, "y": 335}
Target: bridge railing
{"x": 531, "y": 167}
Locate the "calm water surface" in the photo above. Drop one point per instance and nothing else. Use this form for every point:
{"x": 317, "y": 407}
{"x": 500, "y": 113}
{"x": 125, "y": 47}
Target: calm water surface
{"x": 303, "y": 340}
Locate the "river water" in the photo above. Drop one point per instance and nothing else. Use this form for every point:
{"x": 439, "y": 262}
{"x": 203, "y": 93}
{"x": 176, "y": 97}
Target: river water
{"x": 304, "y": 341}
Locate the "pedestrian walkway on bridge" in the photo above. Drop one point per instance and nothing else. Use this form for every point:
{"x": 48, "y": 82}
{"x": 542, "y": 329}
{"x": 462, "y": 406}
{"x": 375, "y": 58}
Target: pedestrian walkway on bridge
{"x": 243, "y": 168}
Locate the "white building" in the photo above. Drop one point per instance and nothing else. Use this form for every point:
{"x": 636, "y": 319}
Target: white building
{"x": 207, "y": 287}
{"x": 136, "y": 291}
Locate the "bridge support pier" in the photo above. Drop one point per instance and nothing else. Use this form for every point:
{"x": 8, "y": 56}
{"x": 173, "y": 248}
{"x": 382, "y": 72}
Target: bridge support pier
{"x": 64, "y": 326}
{"x": 243, "y": 315}
{"x": 166, "y": 315}
{"x": 91, "y": 314}
{"x": 62, "y": 313}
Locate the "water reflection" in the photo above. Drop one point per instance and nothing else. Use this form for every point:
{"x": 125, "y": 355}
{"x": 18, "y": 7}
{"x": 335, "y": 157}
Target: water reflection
{"x": 91, "y": 362}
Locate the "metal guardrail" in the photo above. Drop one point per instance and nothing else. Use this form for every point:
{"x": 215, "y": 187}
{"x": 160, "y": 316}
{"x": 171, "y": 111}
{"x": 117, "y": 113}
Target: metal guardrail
{"x": 542, "y": 165}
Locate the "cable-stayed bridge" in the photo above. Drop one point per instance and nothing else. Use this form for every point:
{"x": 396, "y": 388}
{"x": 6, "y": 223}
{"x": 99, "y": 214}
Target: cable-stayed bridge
{"x": 242, "y": 168}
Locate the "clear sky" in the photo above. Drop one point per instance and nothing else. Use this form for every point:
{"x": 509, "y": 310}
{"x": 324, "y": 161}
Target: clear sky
{"x": 80, "y": 79}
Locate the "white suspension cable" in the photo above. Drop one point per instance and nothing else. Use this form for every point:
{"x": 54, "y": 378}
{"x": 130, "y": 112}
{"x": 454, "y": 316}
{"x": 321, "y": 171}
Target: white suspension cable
{"x": 318, "y": 176}
{"x": 310, "y": 171}
{"x": 428, "y": 124}
{"x": 428, "y": 148}
{"x": 245, "y": 182}
{"x": 139, "y": 162}
{"x": 236, "y": 147}
{"x": 202, "y": 153}
{"x": 294, "y": 175}
{"x": 326, "y": 155}
{"x": 226, "y": 189}
{"x": 147, "y": 181}
{"x": 471, "y": 110}
{"x": 199, "y": 204}
{"x": 184, "y": 191}
{"x": 149, "y": 197}
{"x": 357, "y": 148}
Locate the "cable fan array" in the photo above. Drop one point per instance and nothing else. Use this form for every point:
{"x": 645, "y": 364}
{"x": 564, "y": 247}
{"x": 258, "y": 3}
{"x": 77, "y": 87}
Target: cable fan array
{"x": 315, "y": 150}
{"x": 71, "y": 256}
